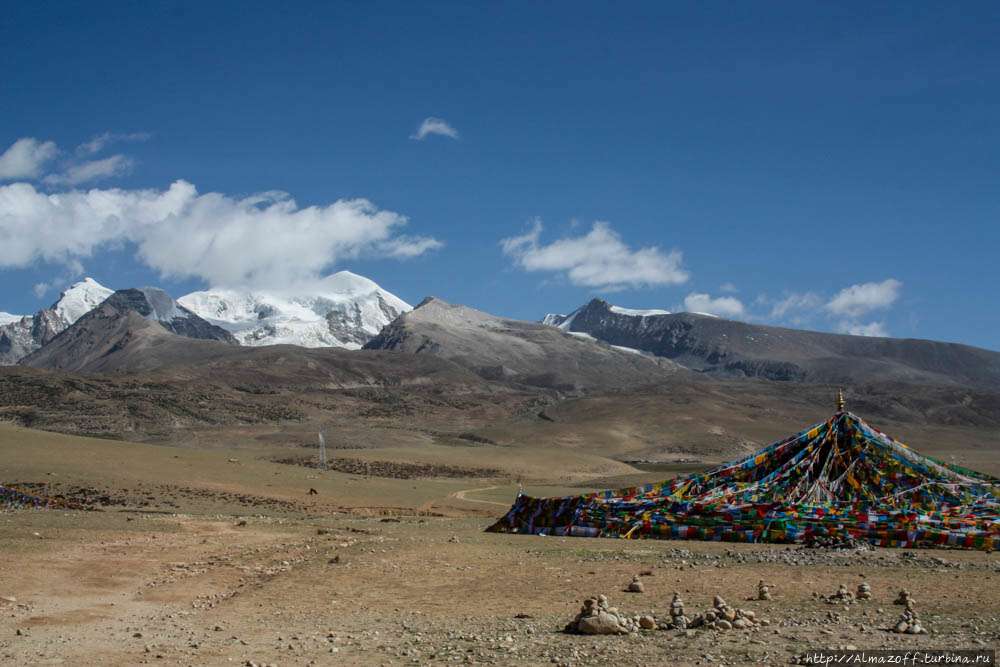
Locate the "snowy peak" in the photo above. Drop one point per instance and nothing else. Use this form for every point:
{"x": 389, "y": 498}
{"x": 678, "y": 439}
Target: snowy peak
{"x": 80, "y": 299}
{"x": 341, "y": 310}
{"x": 20, "y": 336}
{"x": 565, "y": 322}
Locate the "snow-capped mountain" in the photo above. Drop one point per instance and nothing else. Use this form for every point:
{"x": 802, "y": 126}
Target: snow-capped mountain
{"x": 155, "y": 304}
{"x": 342, "y": 310}
{"x": 22, "y": 335}
{"x": 565, "y": 322}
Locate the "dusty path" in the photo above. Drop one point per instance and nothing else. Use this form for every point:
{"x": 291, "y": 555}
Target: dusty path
{"x": 461, "y": 495}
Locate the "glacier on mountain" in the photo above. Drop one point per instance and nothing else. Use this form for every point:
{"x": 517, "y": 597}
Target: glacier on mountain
{"x": 341, "y": 310}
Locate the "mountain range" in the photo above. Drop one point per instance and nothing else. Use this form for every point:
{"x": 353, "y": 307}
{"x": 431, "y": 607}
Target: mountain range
{"x": 342, "y": 310}
{"x": 596, "y": 347}
{"x": 725, "y": 348}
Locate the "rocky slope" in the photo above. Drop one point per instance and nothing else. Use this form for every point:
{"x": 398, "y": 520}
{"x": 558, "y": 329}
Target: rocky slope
{"x": 342, "y": 310}
{"x": 519, "y": 352}
{"x": 133, "y": 329}
{"x": 727, "y": 348}
{"x": 20, "y": 336}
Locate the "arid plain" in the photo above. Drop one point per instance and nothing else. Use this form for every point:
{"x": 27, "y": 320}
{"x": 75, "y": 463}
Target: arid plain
{"x": 207, "y": 547}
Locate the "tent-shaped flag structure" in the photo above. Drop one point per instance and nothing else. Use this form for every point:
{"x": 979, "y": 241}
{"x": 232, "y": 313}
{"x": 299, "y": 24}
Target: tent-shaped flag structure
{"x": 11, "y": 498}
{"x": 838, "y": 479}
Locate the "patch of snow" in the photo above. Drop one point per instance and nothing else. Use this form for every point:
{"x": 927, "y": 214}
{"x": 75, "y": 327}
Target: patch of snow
{"x": 164, "y": 307}
{"x": 638, "y": 313}
{"x": 632, "y": 350}
{"x": 80, "y": 299}
{"x": 568, "y": 322}
{"x": 7, "y": 318}
{"x": 695, "y": 312}
{"x": 580, "y": 334}
{"x": 553, "y": 320}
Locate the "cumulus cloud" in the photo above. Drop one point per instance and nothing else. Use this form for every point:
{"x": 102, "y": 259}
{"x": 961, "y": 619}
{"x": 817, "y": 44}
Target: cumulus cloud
{"x": 857, "y": 300}
{"x": 93, "y": 170}
{"x": 261, "y": 240}
{"x": 599, "y": 259}
{"x": 98, "y": 143}
{"x": 26, "y": 158}
{"x": 876, "y": 329}
{"x": 434, "y": 126}
{"x": 725, "y": 306}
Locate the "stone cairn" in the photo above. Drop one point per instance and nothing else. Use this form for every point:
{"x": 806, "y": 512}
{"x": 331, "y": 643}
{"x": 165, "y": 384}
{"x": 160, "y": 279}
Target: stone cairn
{"x": 678, "y": 620}
{"x": 763, "y": 591}
{"x": 864, "y": 591}
{"x": 909, "y": 622}
{"x": 904, "y": 598}
{"x": 597, "y": 618}
{"x": 636, "y": 586}
{"x": 842, "y": 596}
{"x": 723, "y": 617}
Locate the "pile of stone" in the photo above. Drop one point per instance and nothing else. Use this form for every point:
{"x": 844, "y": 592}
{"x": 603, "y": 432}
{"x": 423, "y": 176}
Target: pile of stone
{"x": 678, "y": 619}
{"x": 909, "y": 622}
{"x": 842, "y": 596}
{"x": 763, "y": 591}
{"x": 864, "y": 591}
{"x": 904, "y": 598}
{"x": 723, "y": 617}
{"x": 597, "y": 618}
{"x": 636, "y": 586}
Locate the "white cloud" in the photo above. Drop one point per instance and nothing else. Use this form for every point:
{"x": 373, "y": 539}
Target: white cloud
{"x": 98, "y": 143}
{"x": 93, "y": 170}
{"x": 876, "y": 329}
{"x": 726, "y": 306}
{"x": 403, "y": 247}
{"x": 796, "y": 301}
{"x": 857, "y": 300}
{"x": 435, "y": 126}
{"x": 263, "y": 240}
{"x": 25, "y": 158}
{"x": 728, "y": 287}
{"x": 598, "y": 259}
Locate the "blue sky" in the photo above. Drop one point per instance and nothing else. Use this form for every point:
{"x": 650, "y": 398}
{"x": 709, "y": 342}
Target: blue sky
{"x": 830, "y": 166}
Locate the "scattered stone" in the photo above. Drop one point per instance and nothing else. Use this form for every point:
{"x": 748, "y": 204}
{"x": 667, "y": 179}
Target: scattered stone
{"x": 723, "y": 617}
{"x": 647, "y": 622}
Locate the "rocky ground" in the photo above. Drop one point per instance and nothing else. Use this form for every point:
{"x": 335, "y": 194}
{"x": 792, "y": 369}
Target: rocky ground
{"x": 124, "y": 586}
